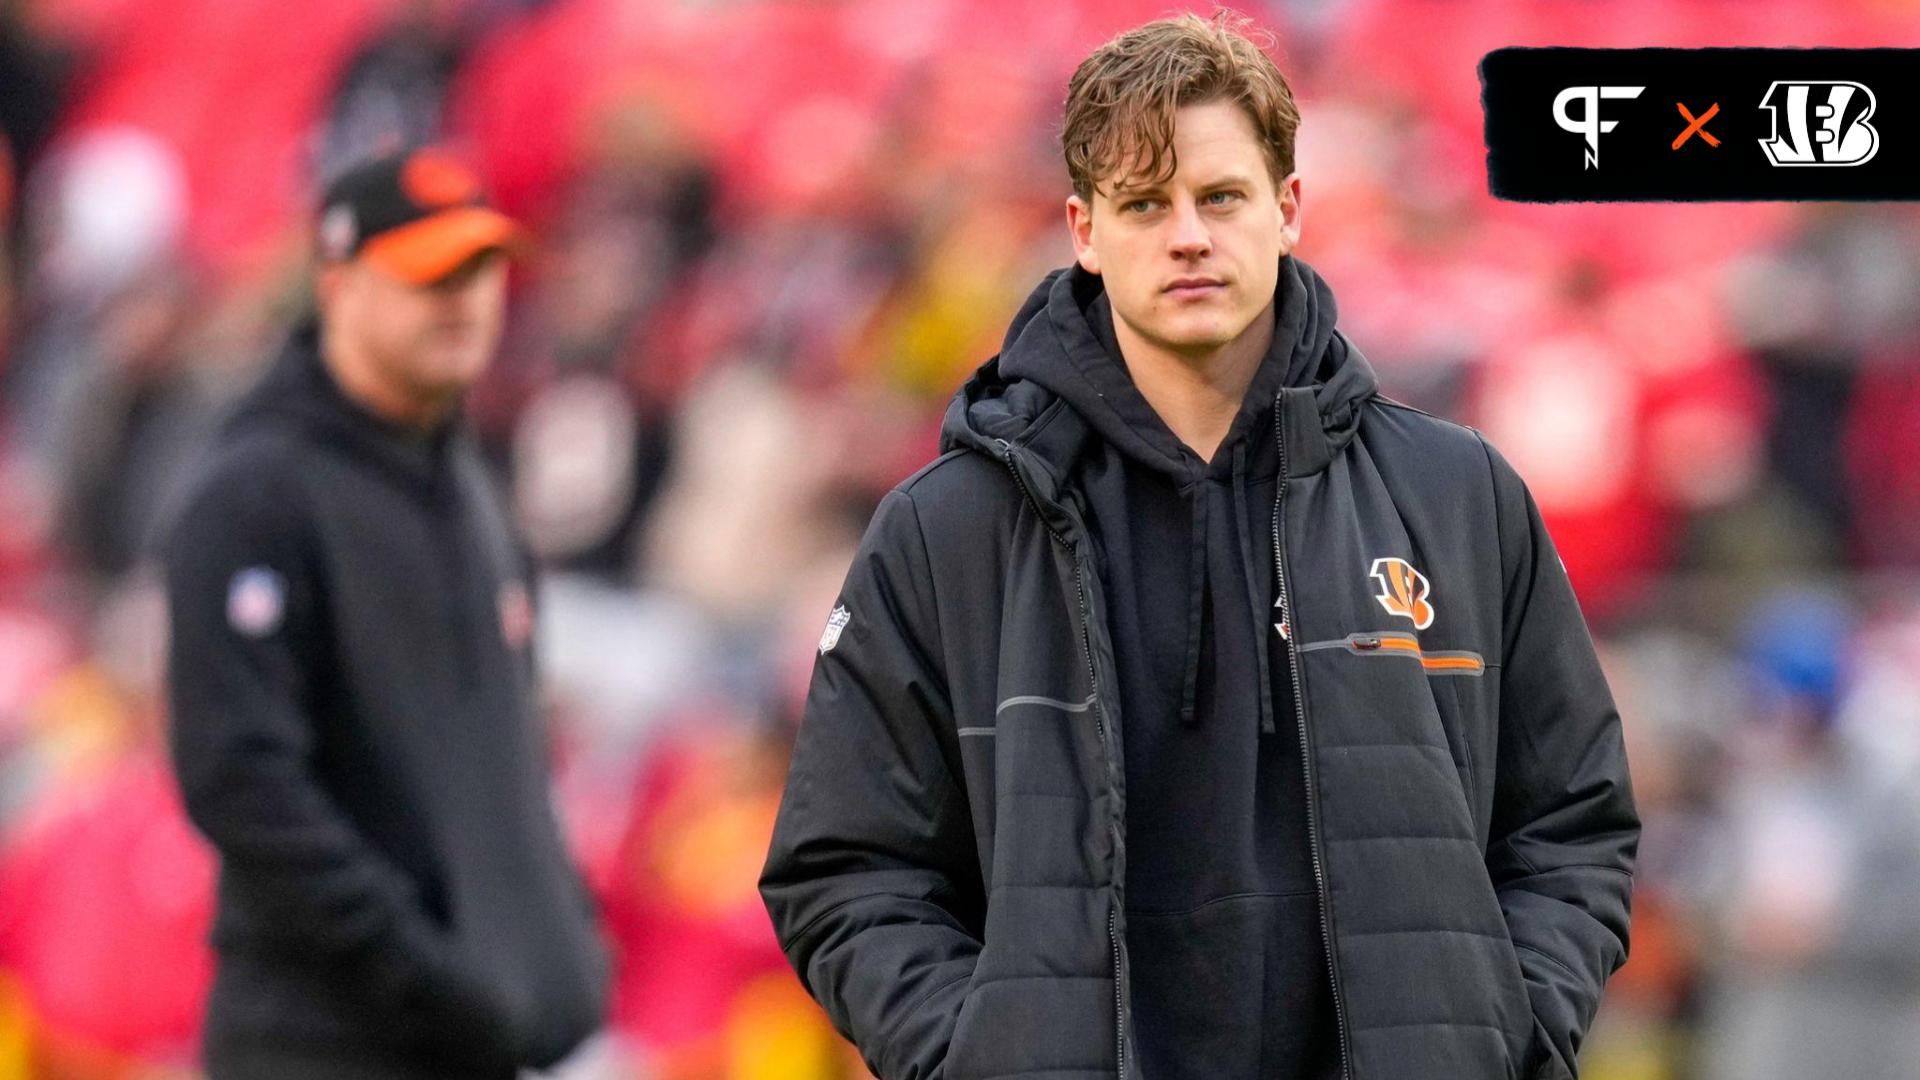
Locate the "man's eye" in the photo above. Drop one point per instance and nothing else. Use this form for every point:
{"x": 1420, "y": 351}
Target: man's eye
{"x": 1220, "y": 198}
{"x": 1138, "y": 206}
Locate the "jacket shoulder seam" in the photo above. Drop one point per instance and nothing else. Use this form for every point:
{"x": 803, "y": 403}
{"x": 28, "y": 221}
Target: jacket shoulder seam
{"x": 1385, "y": 402}
{"x": 914, "y": 478}
{"x": 911, "y": 484}
{"x": 932, "y": 583}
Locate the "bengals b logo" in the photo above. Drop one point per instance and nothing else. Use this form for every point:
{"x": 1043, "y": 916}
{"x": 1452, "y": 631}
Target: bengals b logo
{"x": 1403, "y": 590}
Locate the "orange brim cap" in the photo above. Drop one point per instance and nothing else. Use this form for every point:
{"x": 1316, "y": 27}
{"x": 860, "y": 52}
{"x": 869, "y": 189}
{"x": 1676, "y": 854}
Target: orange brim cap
{"x": 427, "y": 250}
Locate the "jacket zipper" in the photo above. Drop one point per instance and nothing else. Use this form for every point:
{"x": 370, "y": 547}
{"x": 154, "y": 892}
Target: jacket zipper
{"x": 1100, "y": 726}
{"x": 1292, "y": 619}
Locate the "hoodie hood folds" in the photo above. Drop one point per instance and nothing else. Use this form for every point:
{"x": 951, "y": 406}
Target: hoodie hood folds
{"x": 1059, "y": 388}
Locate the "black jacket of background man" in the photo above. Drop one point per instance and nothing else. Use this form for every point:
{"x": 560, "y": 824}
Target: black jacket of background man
{"x": 951, "y": 867}
{"x": 354, "y": 728}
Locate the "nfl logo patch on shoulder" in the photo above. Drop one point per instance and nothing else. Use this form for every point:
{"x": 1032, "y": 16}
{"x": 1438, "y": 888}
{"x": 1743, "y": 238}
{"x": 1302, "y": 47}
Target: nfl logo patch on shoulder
{"x": 836, "y": 622}
{"x": 256, "y": 601}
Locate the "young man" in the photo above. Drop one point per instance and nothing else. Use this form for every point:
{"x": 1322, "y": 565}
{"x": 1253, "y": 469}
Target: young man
{"x": 1200, "y": 712}
{"x": 353, "y": 714}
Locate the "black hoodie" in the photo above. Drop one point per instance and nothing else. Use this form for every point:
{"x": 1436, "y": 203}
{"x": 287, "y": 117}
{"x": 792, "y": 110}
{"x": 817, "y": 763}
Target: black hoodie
{"x": 354, "y": 728}
{"x": 1229, "y": 976}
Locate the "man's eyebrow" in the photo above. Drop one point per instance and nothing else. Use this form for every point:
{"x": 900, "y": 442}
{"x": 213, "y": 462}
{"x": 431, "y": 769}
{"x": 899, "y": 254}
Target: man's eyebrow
{"x": 1136, "y": 187}
{"x": 1229, "y": 180}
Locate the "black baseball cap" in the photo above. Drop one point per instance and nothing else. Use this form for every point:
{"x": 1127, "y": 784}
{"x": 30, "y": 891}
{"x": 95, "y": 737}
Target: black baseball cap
{"x": 416, "y": 214}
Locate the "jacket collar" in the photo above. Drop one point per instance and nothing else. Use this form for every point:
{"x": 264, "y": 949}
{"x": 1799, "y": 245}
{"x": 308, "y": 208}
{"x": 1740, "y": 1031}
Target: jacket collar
{"x": 1017, "y": 397}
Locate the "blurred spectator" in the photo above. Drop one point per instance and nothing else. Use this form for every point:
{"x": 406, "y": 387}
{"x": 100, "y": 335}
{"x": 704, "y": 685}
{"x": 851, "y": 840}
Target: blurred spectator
{"x": 393, "y": 91}
{"x": 104, "y": 218}
{"x": 1818, "y": 315}
{"x": 584, "y": 402}
{"x": 34, "y": 72}
{"x": 133, "y": 427}
{"x": 1822, "y": 964}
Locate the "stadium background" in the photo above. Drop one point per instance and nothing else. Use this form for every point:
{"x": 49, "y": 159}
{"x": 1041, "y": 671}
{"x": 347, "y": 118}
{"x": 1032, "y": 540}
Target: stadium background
{"x": 774, "y": 236}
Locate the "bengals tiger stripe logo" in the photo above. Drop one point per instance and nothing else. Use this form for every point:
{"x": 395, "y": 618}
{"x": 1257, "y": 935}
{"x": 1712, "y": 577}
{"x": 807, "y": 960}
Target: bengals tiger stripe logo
{"x": 1403, "y": 590}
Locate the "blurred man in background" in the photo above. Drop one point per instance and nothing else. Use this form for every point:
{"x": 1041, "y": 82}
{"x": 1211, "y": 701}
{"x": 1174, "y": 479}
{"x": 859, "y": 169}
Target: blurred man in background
{"x": 353, "y": 708}
{"x": 1332, "y": 847}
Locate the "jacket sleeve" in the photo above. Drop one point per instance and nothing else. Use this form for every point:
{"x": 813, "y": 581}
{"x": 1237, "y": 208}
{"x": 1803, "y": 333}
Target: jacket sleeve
{"x": 246, "y": 641}
{"x": 1564, "y": 829}
{"x": 872, "y": 879}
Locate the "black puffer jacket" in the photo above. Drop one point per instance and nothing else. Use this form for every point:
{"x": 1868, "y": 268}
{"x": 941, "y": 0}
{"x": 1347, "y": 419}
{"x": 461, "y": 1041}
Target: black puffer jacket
{"x": 948, "y": 869}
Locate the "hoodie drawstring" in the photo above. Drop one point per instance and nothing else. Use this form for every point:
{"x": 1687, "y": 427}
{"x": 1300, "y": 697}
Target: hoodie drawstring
{"x": 1196, "y": 598}
{"x": 1197, "y": 594}
{"x": 1263, "y": 690}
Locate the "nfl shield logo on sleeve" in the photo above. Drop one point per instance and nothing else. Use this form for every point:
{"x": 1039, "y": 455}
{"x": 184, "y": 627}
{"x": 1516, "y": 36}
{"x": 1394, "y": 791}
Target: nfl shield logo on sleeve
{"x": 836, "y": 622}
{"x": 256, "y": 601}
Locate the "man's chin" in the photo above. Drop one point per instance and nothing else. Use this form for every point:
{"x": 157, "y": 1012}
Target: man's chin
{"x": 1191, "y": 339}
{"x": 452, "y": 374}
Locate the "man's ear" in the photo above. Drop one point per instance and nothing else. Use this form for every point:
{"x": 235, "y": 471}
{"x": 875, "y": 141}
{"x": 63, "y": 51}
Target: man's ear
{"x": 329, "y": 281}
{"x": 1287, "y": 194}
{"x": 1080, "y": 225}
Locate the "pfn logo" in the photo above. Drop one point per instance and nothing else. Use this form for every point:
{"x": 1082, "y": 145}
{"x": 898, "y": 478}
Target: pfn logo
{"x": 1826, "y": 123}
{"x": 1590, "y": 125}
{"x": 1403, "y": 590}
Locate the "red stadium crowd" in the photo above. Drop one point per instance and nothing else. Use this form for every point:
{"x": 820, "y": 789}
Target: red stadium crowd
{"x": 773, "y": 238}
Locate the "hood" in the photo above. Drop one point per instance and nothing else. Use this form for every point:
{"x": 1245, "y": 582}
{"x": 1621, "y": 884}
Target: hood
{"x": 1059, "y": 388}
{"x": 297, "y": 390}
{"x": 1053, "y": 355}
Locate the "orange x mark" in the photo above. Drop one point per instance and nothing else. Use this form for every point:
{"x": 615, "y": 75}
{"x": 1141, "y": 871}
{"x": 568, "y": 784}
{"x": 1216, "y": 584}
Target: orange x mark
{"x": 1697, "y": 125}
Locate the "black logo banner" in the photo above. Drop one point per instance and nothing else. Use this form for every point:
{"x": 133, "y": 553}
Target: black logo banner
{"x": 1595, "y": 125}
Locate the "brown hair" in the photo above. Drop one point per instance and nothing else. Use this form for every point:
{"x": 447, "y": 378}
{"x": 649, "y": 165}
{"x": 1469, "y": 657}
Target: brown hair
{"x": 1121, "y": 99}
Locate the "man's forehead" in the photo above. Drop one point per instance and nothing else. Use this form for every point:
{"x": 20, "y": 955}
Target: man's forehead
{"x": 1192, "y": 170}
{"x": 1211, "y": 155}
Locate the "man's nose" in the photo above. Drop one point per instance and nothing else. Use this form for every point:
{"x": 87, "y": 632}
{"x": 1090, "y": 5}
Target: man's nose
{"x": 1188, "y": 238}
{"x": 462, "y": 293}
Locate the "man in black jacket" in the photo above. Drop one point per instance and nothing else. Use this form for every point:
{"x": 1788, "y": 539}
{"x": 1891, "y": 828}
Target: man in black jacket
{"x": 1200, "y": 712}
{"x": 354, "y": 722}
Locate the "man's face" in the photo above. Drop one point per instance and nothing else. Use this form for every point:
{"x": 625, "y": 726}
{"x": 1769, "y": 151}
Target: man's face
{"x": 1190, "y": 263}
{"x": 430, "y": 340}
